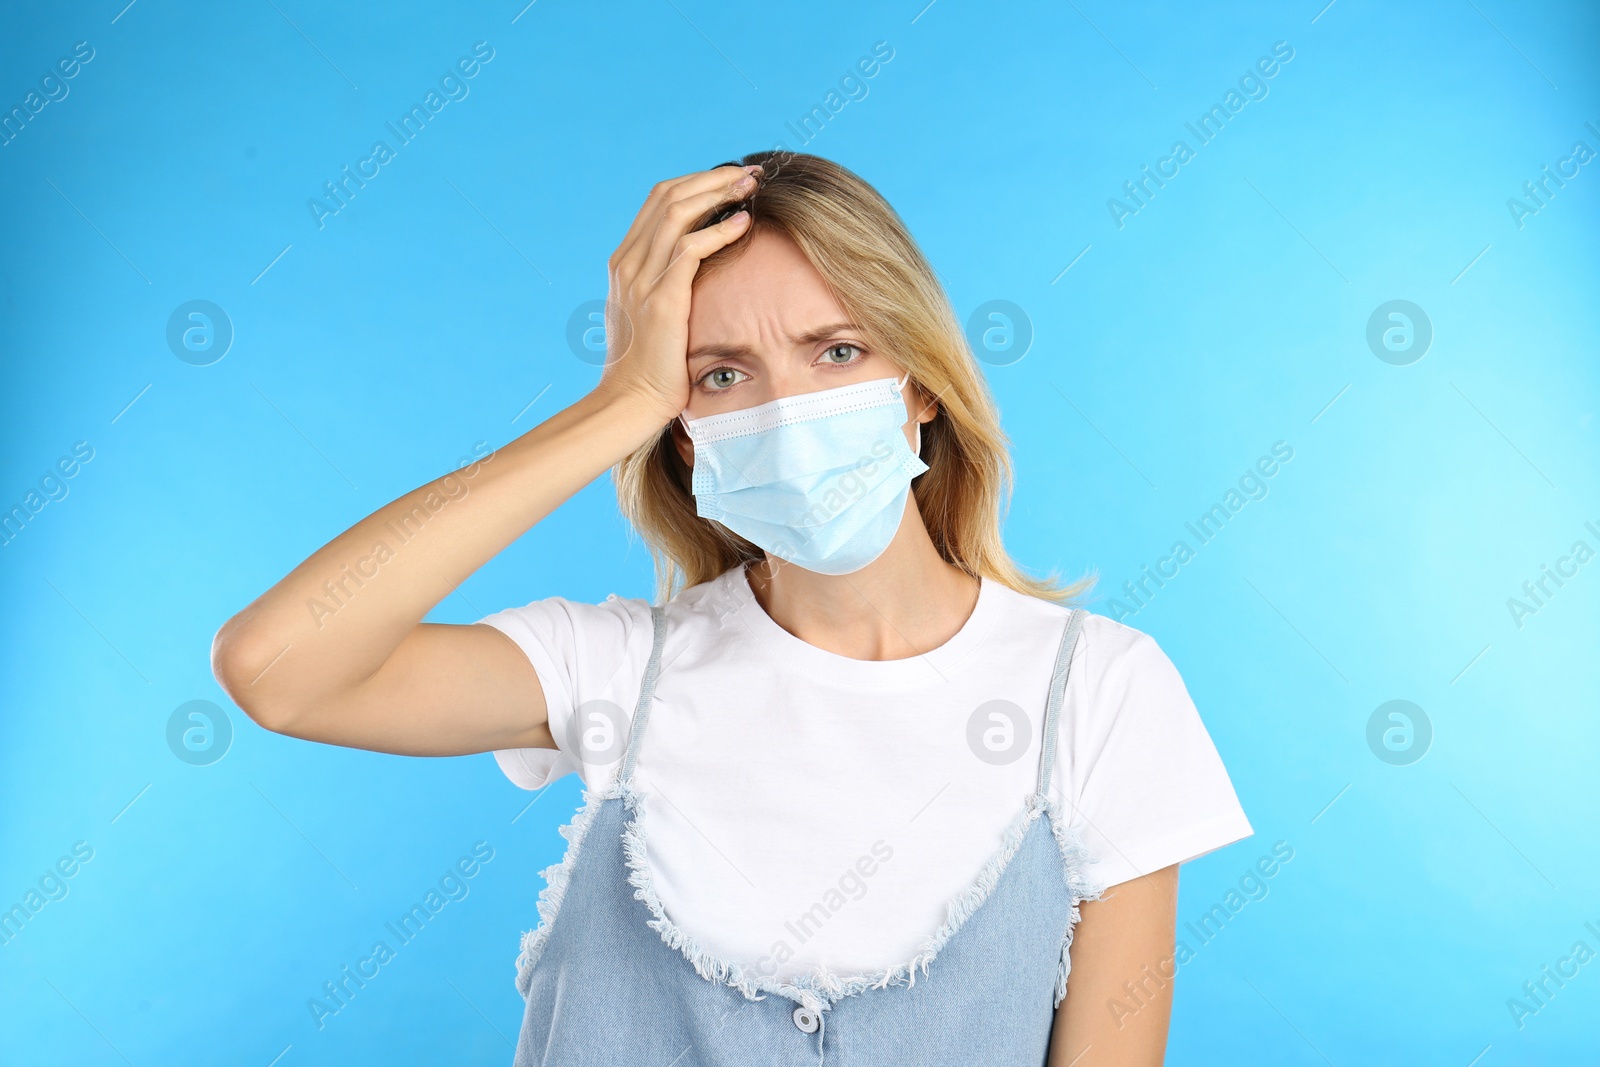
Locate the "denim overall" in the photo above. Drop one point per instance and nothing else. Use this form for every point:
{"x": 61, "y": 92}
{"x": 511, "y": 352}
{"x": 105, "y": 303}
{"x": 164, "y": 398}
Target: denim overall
{"x": 614, "y": 980}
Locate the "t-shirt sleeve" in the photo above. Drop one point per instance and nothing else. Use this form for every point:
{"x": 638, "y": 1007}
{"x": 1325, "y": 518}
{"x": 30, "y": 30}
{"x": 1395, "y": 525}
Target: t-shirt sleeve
{"x": 587, "y": 658}
{"x": 1150, "y": 789}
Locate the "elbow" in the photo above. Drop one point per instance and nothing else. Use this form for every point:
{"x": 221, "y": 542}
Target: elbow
{"x": 239, "y": 665}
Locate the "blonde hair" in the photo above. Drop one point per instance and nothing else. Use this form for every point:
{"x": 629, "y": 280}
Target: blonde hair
{"x": 878, "y": 275}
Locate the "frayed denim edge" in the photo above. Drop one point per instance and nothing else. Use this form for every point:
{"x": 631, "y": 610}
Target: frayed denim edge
{"x": 555, "y": 877}
{"x": 820, "y": 989}
{"x": 1080, "y": 886}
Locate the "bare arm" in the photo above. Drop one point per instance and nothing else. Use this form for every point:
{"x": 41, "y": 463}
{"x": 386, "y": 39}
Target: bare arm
{"x": 362, "y": 669}
{"x": 336, "y": 651}
{"x": 1119, "y": 990}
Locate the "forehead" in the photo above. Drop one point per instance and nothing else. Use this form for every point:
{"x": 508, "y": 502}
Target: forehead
{"x": 771, "y": 285}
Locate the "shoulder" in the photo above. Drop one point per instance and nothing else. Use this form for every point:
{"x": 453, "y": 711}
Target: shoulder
{"x": 609, "y": 640}
{"x": 1128, "y": 678}
{"x": 1113, "y": 648}
{"x": 1105, "y": 647}
{"x": 617, "y": 615}
{"x": 574, "y": 614}
{"x": 590, "y": 658}
{"x": 1143, "y": 782}
{"x": 1120, "y": 681}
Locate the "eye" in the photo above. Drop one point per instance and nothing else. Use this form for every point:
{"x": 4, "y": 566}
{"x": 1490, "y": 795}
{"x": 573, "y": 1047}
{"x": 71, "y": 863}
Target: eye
{"x": 719, "y": 378}
{"x": 828, "y": 353}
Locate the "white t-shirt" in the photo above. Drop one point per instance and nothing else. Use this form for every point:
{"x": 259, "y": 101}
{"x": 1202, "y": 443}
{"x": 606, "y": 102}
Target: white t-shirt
{"x": 772, "y": 767}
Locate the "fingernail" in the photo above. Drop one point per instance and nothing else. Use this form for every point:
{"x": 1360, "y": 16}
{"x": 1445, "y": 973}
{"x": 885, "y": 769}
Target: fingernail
{"x": 752, "y": 168}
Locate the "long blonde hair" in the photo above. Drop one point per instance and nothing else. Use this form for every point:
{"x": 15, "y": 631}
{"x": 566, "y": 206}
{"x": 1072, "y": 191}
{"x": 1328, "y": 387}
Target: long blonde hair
{"x": 878, "y": 275}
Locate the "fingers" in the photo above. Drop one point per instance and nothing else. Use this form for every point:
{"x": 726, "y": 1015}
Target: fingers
{"x": 684, "y": 259}
{"x": 629, "y": 260}
{"x": 647, "y": 213}
{"x": 655, "y": 214}
{"x": 652, "y": 278}
{"x": 679, "y": 214}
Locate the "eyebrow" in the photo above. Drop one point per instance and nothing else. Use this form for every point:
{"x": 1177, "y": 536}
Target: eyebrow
{"x": 810, "y": 337}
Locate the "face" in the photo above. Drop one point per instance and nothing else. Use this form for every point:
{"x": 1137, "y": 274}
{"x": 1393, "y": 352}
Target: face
{"x": 764, "y": 327}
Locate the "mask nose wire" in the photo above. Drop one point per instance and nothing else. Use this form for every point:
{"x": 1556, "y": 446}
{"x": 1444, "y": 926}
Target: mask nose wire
{"x": 900, "y": 384}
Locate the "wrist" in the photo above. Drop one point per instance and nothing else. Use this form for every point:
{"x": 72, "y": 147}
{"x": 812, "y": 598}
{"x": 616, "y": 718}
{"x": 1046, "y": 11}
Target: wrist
{"x": 635, "y": 406}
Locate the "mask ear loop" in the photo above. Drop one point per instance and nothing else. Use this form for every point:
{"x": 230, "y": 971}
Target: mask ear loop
{"x": 900, "y": 387}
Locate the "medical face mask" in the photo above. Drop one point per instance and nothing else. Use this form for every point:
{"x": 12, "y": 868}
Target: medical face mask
{"x": 818, "y": 479}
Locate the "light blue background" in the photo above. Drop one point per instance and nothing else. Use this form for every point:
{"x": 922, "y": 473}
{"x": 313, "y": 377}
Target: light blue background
{"x": 431, "y": 314}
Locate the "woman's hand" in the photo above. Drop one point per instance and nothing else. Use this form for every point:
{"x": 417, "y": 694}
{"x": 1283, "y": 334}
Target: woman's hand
{"x": 652, "y": 275}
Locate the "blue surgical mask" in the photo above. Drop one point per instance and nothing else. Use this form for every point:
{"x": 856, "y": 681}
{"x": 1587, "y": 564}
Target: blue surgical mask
{"x": 819, "y": 479}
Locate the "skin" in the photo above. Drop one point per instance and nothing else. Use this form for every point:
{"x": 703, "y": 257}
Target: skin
{"x": 373, "y": 675}
{"x": 1126, "y": 937}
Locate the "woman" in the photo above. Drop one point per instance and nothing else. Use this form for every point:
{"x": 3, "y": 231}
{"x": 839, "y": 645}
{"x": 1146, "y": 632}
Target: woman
{"x": 883, "y": 767}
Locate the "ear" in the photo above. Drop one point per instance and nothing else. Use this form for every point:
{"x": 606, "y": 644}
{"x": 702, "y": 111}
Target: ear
{"x": 681, "y": 441}
{"x": 924, "y": 405}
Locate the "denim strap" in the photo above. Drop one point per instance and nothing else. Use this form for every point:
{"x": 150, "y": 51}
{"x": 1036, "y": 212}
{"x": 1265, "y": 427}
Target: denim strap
{"x": 1058, "y": 692}
{"x": 647, "y": 691}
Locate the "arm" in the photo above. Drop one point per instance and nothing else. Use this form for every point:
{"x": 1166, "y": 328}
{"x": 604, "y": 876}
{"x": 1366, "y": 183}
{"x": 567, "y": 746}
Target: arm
{"x": 356, "y": 666}
{"x": 1124, "y": 940}
{"x": 364, "y": 670}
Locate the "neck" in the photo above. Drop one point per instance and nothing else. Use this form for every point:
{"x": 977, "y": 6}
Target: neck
{"x": 902, "y": 604}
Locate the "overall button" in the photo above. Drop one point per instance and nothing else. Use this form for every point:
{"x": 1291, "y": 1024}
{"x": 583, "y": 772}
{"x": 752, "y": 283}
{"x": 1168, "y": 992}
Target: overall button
{"x": 806, "y": 1020}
